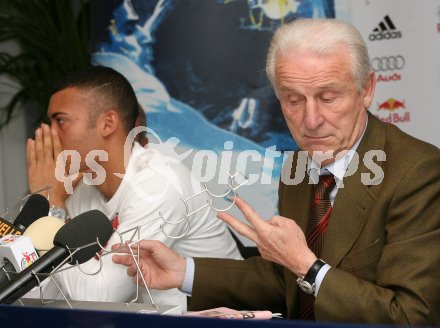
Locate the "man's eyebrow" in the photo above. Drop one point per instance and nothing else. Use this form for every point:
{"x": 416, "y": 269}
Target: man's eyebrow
{"x": 54, "y": 115}
{"x": 284, "y": 87}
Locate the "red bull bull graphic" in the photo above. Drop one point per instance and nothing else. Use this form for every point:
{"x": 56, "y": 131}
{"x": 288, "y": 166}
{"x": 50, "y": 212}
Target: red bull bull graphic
{"x": 395, "y": 108}
{"x": 28, "y": 259}
{"x": 391, "y": 104}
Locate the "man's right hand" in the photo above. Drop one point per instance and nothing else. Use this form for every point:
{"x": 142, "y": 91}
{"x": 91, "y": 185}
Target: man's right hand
{"x": 41, "y": 159}
{"x": 161, "y": 267}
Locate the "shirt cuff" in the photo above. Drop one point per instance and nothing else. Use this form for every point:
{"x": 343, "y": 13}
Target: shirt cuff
{"x": 320, "y": 277}
{"x": 188, "y": 281}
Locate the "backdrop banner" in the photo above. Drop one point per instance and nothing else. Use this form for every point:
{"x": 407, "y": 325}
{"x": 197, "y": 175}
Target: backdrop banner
{"x": 198, "y": 70}
{"x": 403, "y": 38}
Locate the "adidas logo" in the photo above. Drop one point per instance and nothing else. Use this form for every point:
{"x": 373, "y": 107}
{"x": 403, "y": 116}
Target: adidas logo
{"x": 385, "y": 30}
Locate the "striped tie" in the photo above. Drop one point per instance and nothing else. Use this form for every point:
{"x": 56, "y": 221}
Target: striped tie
{"x": 321, "y": 209}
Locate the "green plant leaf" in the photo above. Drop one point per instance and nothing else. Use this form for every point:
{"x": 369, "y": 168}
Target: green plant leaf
{"x": 53, "y": 41}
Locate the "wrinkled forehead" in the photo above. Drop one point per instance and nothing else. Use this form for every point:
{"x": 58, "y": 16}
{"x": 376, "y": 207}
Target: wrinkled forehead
{"x": 338, "y": 49}
{"x": 302, "y": 62}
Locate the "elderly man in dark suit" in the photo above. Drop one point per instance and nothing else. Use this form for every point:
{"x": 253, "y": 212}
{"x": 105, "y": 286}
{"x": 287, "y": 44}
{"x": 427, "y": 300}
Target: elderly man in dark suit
{"x": 358, "y": 236}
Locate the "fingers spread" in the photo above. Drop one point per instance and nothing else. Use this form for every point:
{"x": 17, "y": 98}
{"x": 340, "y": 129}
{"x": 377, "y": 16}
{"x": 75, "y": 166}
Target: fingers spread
{"x": 237, "y": 225}
{"x": 251, "y": 216}
{"x": 277, "y": 220}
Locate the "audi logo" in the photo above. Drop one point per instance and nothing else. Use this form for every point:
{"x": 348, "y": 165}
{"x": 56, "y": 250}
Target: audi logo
{"x": 390, "y": 63}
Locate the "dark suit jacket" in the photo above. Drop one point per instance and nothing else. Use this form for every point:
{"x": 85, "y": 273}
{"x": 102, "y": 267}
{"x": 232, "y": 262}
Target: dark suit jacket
{"x": 383, "y": 243}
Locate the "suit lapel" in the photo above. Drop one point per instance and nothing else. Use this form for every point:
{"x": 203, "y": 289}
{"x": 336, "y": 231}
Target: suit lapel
{"x": 349, "y": 216}
{"x": 297, "y": 205}
{"x": 354, "y": 201}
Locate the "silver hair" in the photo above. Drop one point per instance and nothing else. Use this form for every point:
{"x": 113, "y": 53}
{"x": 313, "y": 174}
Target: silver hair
{"x": 322, "y": 37}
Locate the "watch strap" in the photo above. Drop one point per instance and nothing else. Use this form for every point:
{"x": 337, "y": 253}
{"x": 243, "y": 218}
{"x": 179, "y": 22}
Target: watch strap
{"x": 313, "y": 271}
{"x": 58, "y": 212}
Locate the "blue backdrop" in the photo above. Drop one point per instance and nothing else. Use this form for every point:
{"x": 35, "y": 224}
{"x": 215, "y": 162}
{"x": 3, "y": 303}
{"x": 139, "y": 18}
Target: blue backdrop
{"x": 198, "y": 70}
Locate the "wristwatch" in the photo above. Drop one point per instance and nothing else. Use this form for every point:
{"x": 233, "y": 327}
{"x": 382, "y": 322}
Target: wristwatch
{"x": 58, "y": 212}
{"x": 307, "y": 283}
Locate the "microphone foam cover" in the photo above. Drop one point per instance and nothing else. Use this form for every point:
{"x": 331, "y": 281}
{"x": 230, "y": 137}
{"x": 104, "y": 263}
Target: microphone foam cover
{"x": 35, "y": 207}
{"x": 82, "y": 230}
{"x": 42, "y": 233}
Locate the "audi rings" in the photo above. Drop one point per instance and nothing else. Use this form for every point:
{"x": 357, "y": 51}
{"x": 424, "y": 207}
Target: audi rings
{"x": 388, "y": 63}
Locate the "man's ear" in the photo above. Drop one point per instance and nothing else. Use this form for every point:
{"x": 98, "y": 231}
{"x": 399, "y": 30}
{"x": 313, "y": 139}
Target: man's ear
{"x": 369, "y": 87}
{"x": 108, "y": 122}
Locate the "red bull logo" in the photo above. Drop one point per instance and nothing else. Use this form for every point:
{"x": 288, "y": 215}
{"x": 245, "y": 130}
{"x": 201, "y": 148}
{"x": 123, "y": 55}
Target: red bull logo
{"x": 28, "y": 259}
{"x": 391, "y": 104}
{"x": 393, "y": 117}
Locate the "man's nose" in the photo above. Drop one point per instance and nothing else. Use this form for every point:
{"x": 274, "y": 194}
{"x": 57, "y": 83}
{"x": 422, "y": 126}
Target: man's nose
{"x": 313, "y": 116}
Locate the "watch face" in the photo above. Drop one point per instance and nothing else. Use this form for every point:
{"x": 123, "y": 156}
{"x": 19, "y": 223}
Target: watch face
{"x": 57, "y": 212}
{"x": 305, "y": 286}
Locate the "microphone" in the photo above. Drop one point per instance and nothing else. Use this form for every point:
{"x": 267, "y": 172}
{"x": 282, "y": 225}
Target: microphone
{"x": 7, "y": 228}
{"x": 85, "y": 229}
{"x": 35, "y": 207}
{"x": 42, "y": 233}
{"x": 18, "y": 250}
{"x": 19, "y": 254}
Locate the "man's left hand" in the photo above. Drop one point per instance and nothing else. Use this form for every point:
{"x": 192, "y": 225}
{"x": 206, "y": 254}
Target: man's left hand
{"x": 279, "y": 239}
